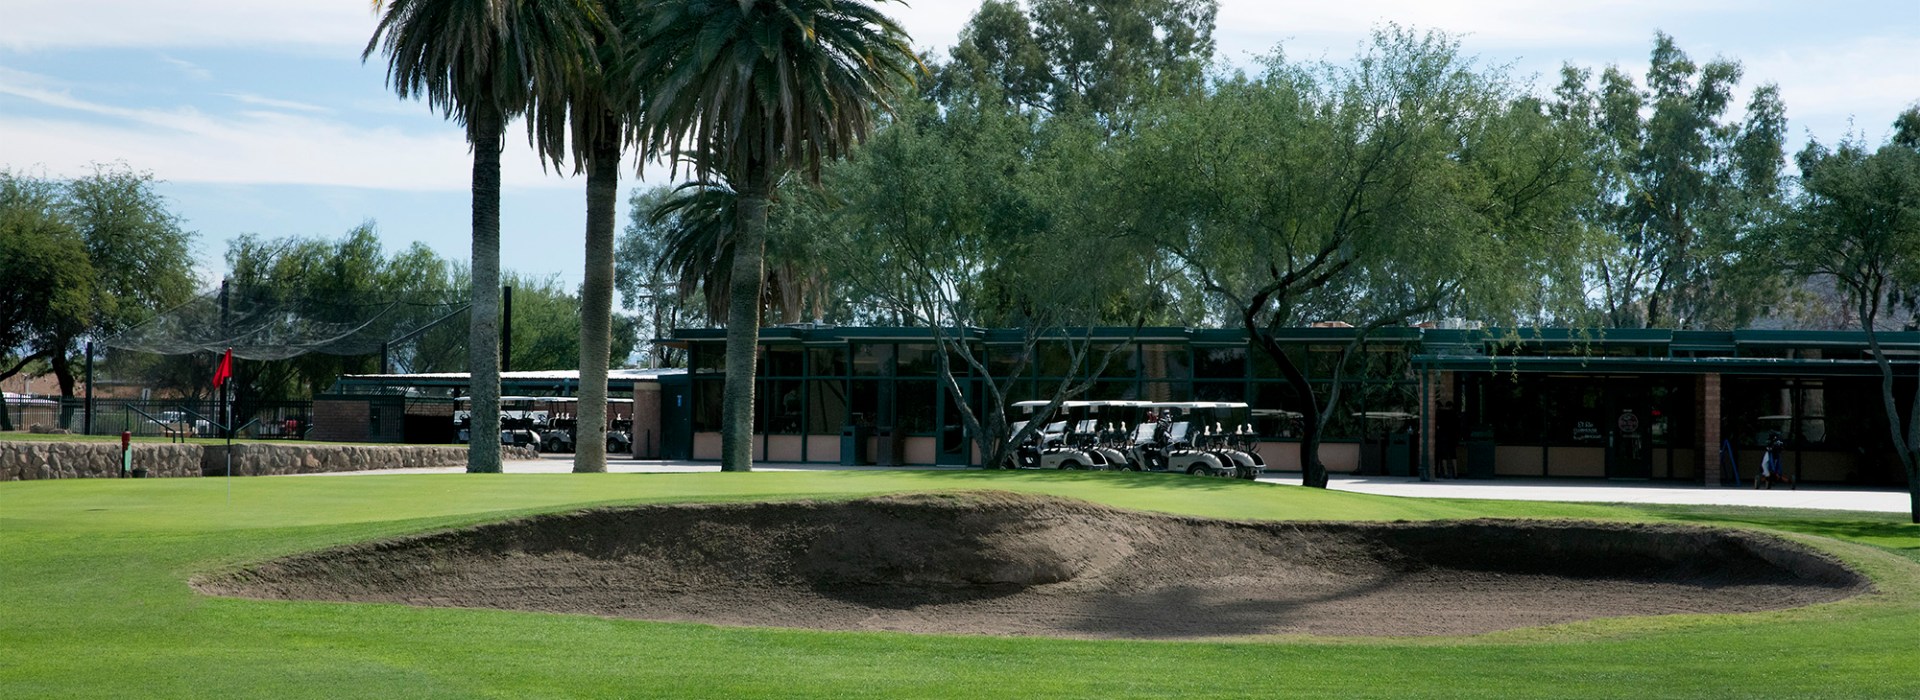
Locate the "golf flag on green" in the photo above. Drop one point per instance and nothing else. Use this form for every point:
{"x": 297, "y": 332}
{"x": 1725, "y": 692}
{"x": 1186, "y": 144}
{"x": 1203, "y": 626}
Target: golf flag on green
{"x": 225, "y": 371}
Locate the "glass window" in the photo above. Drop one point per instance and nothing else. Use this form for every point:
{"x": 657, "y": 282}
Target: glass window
{"x": 707, "y": 394}
{"x": 1220, "y": 391}
{"x": 1113, "y": 361}
{"x": 957, "y": 358}
{"x": 1005, "y": 360}
{"x": 1324, "y": 360}
{"x": 781, "y": 361}
{"x": 1055, "y": 359}
{"x": 1388, "y": 363}
{"x": 1278, "y": 410}
{"x": 1111, "y": 391}
{"x": 826, "y": 406}
{"x": 864, "y": 402}
{"x": 1165, "y": 361}
{"x": 1576, "y": 411}
{"x": 1166, "y": 391}
{"x": 917, "y": 361}
{"x": 873, "y": 359}
{"x": 1265, "y": 368}
{"x": 780, "y": 402}
{"x": 915, "y": 400}
{"x": 827, "y": 361}
{"x": 1220, "y": 363}
{"x": 709, "y": 357}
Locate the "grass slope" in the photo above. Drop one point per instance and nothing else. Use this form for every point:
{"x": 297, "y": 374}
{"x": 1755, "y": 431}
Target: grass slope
{"x": 93, "y": 603}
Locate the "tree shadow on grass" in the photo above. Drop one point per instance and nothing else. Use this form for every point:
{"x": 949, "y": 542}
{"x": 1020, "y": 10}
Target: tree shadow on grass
{"x": 1890, "y": 531}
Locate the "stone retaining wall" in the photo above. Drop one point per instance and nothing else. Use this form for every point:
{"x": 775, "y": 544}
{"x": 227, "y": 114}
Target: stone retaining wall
{"x": 21, "y": 460}
{"x": 69, "y": 460}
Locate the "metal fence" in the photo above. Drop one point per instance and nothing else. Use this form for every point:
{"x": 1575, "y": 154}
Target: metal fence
{"x": 170, "y": 418}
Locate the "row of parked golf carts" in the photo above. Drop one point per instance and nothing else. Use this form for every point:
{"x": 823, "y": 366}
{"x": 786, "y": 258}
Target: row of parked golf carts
{"x": 1203, "y": 438}
{"x": 545, "y": 423}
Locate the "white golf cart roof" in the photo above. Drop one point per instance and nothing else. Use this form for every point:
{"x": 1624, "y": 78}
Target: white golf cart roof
{"x": 1031, "y": 406}
{"x": 1385, "y": 415}
{"x": 1197, "y": 404}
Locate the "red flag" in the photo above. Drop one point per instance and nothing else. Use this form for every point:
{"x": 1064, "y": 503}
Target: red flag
{"x": 225, "y": 371}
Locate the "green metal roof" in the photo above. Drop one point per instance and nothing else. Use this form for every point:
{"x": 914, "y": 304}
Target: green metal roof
{"x": 1757, "y": 366}
{"x": 1655, "y": 342}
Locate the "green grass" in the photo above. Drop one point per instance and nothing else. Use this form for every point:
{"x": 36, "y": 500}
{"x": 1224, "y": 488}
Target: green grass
{"x": 93, "y": 603}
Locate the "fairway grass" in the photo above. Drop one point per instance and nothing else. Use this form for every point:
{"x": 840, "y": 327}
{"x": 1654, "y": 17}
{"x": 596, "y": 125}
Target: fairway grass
{"x": 94, "y": 603}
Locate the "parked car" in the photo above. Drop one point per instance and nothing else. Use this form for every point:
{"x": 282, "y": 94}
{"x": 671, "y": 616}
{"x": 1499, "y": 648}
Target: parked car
{"x": 181, "y": 421}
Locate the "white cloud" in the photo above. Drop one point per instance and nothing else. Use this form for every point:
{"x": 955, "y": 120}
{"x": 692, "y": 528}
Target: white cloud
{"x": 276, "y": 103}
{"x": 1868, "y": 80}
{"x": 254, "y": 147}
{"x": 53, "y": 24}
{"x": 191, "y": 69}
{"x": 1488, "y": 23}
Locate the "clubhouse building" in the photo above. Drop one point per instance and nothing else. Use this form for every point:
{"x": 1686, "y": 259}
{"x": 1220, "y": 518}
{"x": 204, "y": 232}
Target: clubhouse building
{"x": 1691, "y": 406}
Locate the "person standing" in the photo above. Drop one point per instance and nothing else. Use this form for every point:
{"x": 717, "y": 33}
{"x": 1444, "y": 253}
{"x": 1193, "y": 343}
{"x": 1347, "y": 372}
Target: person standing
{"x": 1771, "y": 469}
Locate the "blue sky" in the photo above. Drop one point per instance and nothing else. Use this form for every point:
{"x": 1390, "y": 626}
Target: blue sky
{"x": 261, "y": 118}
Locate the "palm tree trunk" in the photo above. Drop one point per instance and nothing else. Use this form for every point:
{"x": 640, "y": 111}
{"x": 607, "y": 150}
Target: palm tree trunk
{"x": 484, "y": 131}
{"x": 743, "y": 328}
{"x": 596, "y": 298}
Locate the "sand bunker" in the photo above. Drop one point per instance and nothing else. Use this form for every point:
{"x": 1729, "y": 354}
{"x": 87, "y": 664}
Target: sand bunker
{"x": 1007, "y": 564}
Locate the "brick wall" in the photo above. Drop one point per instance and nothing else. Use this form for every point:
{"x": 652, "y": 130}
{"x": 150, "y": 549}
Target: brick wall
{"x": 646, "y": 420}
{"x": 339, "y": 420}
{"x": 1707, "y": 426}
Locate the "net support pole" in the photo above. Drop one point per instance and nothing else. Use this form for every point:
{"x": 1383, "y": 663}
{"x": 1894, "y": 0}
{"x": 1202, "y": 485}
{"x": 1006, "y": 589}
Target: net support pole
{"x": 226, "y": 405}
{"x": 86, "y": 427}
{"x": 506, "y": 329}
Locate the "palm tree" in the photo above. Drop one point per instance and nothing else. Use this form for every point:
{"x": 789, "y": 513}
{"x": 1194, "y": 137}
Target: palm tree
{"x": 476, "y": 61}
{"x": 754, "y": 89}
{"x": 698, "y": 250}
{"x": 594, "y": 111}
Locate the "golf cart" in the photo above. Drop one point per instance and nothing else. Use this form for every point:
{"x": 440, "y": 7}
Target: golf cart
{"x": 1226, "y": 430}
{"x": 1108, "y": 428}
{"x": 521, "y": 422}
{"x": 1198, "y": 442}
{"x": 1057, "y": 445}
{"x": 564, "y": 428}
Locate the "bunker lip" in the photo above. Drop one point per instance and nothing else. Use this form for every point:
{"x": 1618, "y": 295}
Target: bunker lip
{"x": 999, "y": 563}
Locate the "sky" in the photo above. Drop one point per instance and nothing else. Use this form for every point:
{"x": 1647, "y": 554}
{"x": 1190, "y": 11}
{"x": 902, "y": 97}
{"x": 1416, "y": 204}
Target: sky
{"x": 260, "y": 117}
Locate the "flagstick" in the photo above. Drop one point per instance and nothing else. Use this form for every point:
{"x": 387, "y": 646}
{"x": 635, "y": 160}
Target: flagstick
{"x": 226, "y": 393}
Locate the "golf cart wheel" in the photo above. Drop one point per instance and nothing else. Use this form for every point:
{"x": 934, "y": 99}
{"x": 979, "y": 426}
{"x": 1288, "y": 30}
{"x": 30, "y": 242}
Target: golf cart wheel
{"x": 1197, "y": 470}
{"x": 1068, "y": 464}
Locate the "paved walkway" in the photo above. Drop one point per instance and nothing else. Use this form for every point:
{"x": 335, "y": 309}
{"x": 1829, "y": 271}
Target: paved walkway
{"x": 1592, "y": 491}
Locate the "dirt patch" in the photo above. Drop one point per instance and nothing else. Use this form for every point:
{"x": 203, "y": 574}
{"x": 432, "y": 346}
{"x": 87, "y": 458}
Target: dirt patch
{"x": 1007, "y": 564}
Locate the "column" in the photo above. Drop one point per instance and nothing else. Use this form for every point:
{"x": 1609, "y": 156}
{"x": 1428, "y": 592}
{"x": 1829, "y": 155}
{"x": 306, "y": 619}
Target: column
{"x": 1707, "y": 415}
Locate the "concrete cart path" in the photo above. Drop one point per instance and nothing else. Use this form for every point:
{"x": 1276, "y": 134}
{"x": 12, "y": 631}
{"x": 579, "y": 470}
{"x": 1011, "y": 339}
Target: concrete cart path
{"x": 1599, "y": 491}
{"x": 1590, "y": 491}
